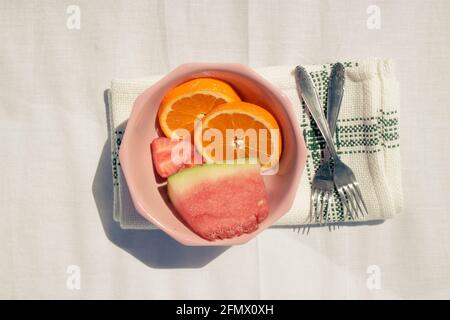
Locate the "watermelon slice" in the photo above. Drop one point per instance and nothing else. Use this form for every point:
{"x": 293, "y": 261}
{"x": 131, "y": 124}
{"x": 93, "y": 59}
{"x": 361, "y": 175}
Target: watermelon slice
{"x": 220, "y": 201}
{"x": 170, "y": 156}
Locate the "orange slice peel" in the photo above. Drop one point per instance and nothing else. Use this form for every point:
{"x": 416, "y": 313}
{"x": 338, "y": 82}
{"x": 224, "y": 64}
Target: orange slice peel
{"x": 191, "y": 101}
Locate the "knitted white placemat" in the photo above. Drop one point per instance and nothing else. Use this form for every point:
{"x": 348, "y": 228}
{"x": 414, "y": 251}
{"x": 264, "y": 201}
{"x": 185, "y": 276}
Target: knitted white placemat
{"x": 367, "y": 138}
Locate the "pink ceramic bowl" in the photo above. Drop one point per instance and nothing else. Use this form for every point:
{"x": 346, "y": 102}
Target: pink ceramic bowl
{"x": 149, "y": 192}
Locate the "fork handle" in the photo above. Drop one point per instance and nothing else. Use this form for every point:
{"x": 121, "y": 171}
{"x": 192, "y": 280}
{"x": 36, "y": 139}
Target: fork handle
{"x": 307, "y": 91}
{"x": 335, "y": 94}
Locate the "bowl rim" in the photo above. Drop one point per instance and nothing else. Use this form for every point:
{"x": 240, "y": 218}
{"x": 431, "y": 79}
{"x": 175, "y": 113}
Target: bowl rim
{"x": 245, "y": 71}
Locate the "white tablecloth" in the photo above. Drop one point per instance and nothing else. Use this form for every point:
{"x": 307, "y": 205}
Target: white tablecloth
{"x": 55, "y": 190}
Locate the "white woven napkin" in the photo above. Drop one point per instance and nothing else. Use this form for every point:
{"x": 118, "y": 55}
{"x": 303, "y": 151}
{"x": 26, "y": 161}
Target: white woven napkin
{"x": 367, "y": 138}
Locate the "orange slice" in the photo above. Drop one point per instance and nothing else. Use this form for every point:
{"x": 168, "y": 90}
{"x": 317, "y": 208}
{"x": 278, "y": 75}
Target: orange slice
{"x": 190, "y": 101}
{"x": 239, "y": 130}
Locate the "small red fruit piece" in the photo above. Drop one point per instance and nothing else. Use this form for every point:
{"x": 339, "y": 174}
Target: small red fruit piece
{"x": 170, "y": 155}
{"x": 195, "y": 159}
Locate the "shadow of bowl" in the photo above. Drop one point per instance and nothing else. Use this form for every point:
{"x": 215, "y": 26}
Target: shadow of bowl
{"x": 153, "y": 247}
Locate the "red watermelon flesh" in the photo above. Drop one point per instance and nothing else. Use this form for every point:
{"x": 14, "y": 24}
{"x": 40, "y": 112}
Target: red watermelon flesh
{"x": 220, "y": 201}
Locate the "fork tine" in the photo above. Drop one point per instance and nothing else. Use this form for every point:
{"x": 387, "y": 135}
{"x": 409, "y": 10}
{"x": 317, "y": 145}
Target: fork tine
{"x": 316, "y": 206}
{"x": 344, "y": 202}
{"x": 311, "y": 203}
{"x": 322, "y": 207}
{"x": 358, "y": 191}
{"x": 318, "y": 212}
{"x": 330, "y": 198}
{"x": 326, "y": 200}
{"x": 313, "y": 206}
{"x": 351, "y": 187}
{"x": 351, "y": 199}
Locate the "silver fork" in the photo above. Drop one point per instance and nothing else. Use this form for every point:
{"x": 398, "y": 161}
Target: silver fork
{"x": 344, "y": 179}
{"x": 322, "y": 186}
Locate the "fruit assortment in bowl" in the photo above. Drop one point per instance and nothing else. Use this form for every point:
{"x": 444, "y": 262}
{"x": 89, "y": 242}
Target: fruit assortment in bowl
{"x": 226, "y": 197}
{"x": 212, "y": 154}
